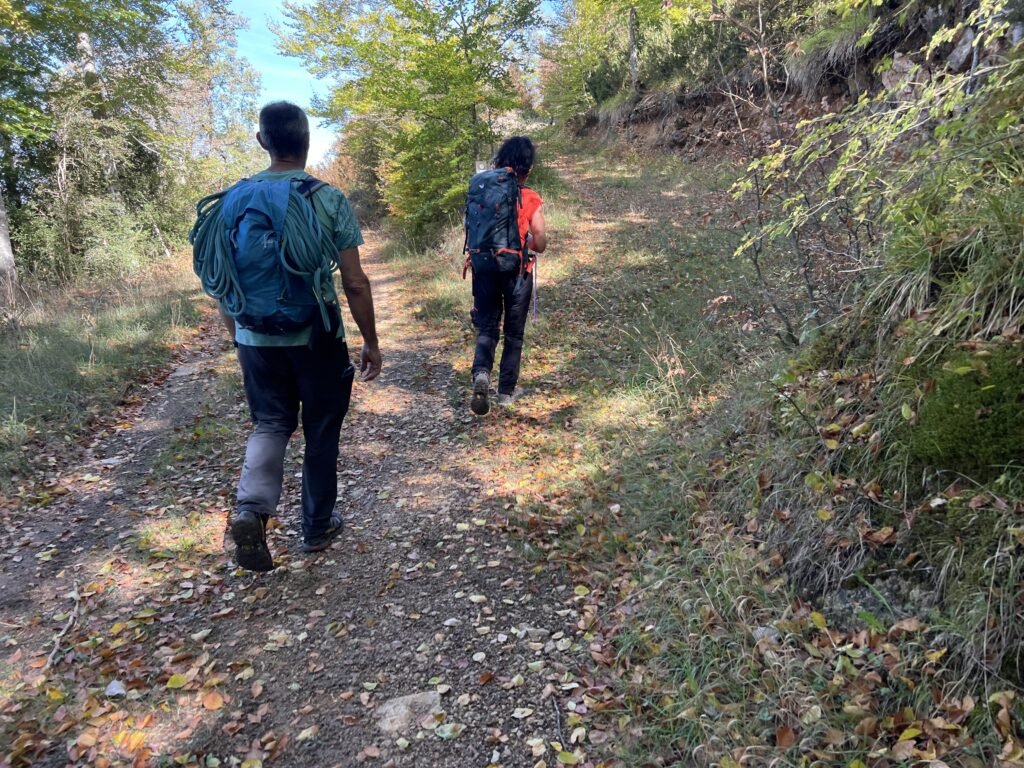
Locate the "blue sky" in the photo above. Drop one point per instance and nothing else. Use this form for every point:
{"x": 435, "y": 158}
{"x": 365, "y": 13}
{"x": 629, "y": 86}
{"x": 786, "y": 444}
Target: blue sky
{"x": 283, "y": 77}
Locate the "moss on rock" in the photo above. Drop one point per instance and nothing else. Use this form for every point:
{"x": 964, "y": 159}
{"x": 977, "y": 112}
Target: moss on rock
{"x": 971, "y": 419}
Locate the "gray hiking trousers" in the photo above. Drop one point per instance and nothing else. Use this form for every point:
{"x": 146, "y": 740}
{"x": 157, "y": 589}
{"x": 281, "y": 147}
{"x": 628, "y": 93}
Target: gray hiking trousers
{"x": 278, "y": 380}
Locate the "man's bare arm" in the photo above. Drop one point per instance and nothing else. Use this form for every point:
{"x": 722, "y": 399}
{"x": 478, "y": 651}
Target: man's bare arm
{"x": 360, "y": 303}
{"x": 229, "y": 323}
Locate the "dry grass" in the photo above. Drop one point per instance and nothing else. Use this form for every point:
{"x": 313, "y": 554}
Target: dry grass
{"x": 70, "y": 354}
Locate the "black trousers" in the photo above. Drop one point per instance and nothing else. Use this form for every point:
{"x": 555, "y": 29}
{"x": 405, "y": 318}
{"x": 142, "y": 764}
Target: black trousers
{"x": 277, "y": 381}
{"x": 501, "y": 301}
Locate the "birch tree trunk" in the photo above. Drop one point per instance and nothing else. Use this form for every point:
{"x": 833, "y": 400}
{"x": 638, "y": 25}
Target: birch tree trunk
{"x": 8, "y": 275}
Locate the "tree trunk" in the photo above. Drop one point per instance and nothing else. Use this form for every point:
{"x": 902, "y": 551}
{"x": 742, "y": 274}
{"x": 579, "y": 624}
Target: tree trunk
{"x": 8, "y": 275}
{"x": 634, "y": 75}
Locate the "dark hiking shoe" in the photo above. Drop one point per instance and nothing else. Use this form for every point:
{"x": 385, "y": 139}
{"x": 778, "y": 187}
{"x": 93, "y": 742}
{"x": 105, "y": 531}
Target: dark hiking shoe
{"x": 481, "y": 385}
{"x": 248, "y": 530}
{"x": 323, "y": 541}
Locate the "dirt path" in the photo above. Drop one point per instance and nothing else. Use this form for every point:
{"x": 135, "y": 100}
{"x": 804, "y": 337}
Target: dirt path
{"x": 129, "y": 637}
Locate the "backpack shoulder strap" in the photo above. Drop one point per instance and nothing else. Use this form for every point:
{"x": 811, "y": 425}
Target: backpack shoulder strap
{"x": 309, "y": 187}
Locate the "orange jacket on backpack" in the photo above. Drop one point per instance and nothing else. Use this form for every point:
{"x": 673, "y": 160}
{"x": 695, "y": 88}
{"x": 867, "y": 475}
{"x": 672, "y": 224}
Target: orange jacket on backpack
{"x": 531, "y": 203}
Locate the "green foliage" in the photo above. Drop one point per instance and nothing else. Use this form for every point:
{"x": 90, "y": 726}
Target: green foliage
{"x": 687, "y": 52}
{"x": 685, "y": 46}
{"x": 358, "y": 161}
{"x": 139, "y": 118}
{"x": 433, "y": 76}
{"x": 38, "y": 39}
{"x": 830, "y": 50}
{"x": 916, "y": 180}
{"x": 971, "y": 419}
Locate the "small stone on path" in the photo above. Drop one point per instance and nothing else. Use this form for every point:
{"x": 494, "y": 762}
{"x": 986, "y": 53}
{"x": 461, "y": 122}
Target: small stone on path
{"x": 399, "y": 715}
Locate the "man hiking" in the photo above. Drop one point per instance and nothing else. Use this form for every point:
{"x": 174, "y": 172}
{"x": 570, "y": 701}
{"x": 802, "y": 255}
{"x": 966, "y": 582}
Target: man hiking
{"x": 266, "y": 249}
{"x": 504, "y": 229}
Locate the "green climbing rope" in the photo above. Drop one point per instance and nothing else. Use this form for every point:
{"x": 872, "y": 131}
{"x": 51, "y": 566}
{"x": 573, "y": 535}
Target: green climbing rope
{"x": 302, "y": 254}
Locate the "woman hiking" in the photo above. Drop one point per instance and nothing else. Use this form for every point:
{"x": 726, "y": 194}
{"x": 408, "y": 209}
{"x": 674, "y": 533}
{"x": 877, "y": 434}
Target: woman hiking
{"x": 501, "y": 298}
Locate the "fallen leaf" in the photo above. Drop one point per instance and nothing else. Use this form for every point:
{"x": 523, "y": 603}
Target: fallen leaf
{"x": 784, "y": 737}
{"x": 177, "y": 681}
{"x": 87, "y": 739}
{"x": 908, "y": 625}
{"x": 450, "y": 730}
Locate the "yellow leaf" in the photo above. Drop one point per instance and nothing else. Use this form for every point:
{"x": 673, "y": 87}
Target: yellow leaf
{"x": 909, "y": 734}
{"x": 177, "y": 681}
{"x": 581, "y": 591}
{"x": 832, "y": 444}
{"x": 135, "y": 741}
{"x": 818, "y": 620}
{"x": 861, "y": 429}
{"x": 567, "y": 758}
{"x": 824, "y": 514}
{"x": 935, "y": 655}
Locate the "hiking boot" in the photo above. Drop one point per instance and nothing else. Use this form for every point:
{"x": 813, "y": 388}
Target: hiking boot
{"x": 507, "y": 401}
{"x": 249, "y": 532}
{"x": 481, "y": 386}
{"x": 322, "y": 541}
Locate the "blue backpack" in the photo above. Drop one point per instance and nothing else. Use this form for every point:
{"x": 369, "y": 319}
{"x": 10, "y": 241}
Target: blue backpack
{"x": 492, "y": 222}
{"x": 259, "y": 250}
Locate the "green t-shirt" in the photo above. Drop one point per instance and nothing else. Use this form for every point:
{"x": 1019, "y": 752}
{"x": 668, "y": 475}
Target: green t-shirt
{"x": 336, "y": 216}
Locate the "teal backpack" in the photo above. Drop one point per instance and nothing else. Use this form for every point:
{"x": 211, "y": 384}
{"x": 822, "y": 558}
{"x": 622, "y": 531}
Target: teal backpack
{"x": 259, "y": 250}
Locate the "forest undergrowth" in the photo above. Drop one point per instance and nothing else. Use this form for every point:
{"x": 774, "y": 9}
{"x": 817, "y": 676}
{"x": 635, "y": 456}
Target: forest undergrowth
{"x": 751, "y": 598}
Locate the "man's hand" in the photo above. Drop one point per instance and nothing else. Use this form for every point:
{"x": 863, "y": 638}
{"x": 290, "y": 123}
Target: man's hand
{"x": 370, "y": 362}
{"x": 360, "y": 304}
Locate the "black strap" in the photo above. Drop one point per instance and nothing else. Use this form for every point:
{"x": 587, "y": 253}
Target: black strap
{"x": 525, "y": 248}
{"x": 308, "y": 187}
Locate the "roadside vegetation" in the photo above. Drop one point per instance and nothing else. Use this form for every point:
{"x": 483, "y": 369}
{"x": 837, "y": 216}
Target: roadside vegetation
{"x": 114, "y": 121}
{"x": 775, "y": 435}
{"x": 75, "y": 354}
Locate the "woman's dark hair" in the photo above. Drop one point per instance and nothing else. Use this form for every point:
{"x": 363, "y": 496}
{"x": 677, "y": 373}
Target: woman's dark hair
{"x": 516, "y": 153}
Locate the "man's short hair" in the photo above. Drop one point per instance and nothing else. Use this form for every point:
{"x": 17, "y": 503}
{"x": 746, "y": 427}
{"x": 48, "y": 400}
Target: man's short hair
{"x": 285, "y": 129}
